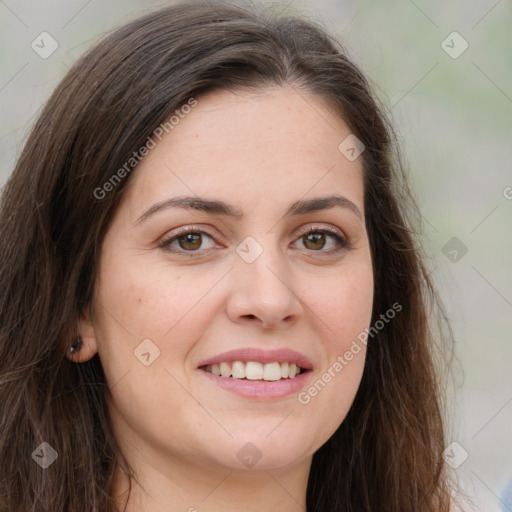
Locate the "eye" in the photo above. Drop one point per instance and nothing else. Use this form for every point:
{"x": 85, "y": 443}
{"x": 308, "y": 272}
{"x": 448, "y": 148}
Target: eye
{"x": 189, "y": 240}
{"x": 317, "y": 239}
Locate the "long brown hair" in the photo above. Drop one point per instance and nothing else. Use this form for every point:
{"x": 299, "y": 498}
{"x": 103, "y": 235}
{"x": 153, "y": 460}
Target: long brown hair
{"x": 387, "y": 453}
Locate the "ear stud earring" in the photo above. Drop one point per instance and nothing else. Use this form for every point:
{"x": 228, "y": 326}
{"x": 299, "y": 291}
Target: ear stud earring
{"x": 76, "y": 345}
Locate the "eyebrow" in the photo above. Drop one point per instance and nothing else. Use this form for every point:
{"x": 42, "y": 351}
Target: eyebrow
{"x": 301, "y": 207}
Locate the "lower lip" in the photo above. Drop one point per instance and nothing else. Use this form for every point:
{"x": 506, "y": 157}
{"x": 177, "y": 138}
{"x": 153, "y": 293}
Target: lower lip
{"x": 260, "y": 389}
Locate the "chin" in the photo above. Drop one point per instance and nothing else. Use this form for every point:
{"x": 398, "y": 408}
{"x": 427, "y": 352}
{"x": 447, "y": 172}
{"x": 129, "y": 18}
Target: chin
{"x": 267, "y": 452}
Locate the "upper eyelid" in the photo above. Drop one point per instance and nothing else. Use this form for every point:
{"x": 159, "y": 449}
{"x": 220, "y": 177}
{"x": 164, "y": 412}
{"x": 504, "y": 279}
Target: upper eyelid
{"x": 189, "y": 229}
{"x": 318, "y": 227}
{"x": 332, "y": 231}
{"x": 303, "y": 229}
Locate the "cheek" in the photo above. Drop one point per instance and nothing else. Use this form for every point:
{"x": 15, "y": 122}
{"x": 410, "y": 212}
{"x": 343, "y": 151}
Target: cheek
{"x": 145, "y": 301}
{"x": 136, "y": 303}
{"x": 343, "y": 306}
{"x": 344, "y": 303}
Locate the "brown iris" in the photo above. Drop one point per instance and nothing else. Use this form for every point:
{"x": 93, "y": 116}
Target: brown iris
{"x": 317, "y": 240}
{"x": 190, "y": 241}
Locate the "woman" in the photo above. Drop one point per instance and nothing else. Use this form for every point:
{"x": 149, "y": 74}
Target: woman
{"x": 211, "y": 295}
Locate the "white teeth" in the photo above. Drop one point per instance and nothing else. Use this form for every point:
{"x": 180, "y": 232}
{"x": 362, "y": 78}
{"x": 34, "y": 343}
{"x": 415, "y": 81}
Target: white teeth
{"x": 272, "y": 371}
{"x": 238, "y": 370}
{"x": 225, "y": 370}
{"x": 253, "y": 370}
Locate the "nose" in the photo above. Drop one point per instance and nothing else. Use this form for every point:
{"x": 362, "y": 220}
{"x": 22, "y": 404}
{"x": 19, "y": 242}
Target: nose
{"x": 262, "y": 293}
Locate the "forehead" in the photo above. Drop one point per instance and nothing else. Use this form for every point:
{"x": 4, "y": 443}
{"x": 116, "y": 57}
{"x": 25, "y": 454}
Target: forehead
{"x": 254, "y": 147}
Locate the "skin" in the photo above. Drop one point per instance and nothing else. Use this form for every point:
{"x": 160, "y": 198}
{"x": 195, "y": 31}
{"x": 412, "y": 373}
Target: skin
{"x": 259, "y": 151}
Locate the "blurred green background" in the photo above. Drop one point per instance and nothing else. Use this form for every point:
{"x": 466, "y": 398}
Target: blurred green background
{"x": 453, "y": 113}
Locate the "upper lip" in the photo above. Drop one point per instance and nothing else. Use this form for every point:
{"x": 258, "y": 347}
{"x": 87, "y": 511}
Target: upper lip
{"x": 283, "y": 355}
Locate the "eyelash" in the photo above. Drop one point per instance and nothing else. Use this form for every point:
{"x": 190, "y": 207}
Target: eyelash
{"x": 165, "y": 244}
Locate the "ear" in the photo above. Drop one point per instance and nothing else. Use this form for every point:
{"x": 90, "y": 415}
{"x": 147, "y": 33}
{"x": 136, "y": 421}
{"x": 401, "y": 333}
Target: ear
{"x": 89, "y": 345}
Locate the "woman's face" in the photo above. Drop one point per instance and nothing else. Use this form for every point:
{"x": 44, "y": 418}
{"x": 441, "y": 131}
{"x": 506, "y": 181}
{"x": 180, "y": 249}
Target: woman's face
{"x": 253, "y": 172}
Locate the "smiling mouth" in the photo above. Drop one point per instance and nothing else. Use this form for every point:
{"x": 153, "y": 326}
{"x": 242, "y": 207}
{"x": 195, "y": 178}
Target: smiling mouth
{"x": 254, "y": 370}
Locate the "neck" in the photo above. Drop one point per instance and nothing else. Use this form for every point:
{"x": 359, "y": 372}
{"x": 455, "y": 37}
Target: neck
{"x": 192, "y": 488}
